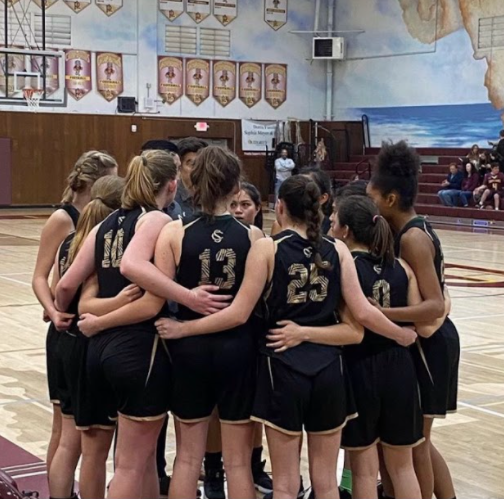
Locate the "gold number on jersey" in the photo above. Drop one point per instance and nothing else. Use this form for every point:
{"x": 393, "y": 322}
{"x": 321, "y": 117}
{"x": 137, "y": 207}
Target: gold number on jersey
{"x": 113, "y": 249}
{"x": 301, "y": 274}
{"x": 228, "y": 256}
{"x": 381, "y": 293}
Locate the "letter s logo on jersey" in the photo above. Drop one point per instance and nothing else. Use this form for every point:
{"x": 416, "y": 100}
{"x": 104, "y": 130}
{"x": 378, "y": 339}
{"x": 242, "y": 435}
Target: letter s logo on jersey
{"x": 217, "y": 236}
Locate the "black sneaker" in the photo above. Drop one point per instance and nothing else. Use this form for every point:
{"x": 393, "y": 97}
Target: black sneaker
{"x": 262, "y": 481}
{"x": 300, "y": 495}
{"x": 164, "y": 485}
{"x": 214, "y": 484}
{"x": 344, "y": 494}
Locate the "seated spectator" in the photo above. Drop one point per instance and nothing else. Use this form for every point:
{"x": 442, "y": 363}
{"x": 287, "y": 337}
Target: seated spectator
{"x": 493, "y": 187}
{"x": 474, "y": 157}
{"x": 469, "y": 184}
{"x": 452, "y": 184}
{"x": 497, "y": 153}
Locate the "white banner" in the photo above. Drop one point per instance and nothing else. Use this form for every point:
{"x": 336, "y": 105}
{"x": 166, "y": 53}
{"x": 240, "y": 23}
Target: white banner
{"x": 225, "y": 10}
{"x": 275, "y": 13}
{"x": 258, "y": 135}
{"x": 199, "y": 10}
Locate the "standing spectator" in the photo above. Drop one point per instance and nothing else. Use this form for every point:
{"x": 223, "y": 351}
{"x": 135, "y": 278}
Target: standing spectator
{"x": 498, "y": 150}
{"x": 469, "y": 184}
{"x": 452, "y": 183}
{"x": 283, "y": 168}
{"x": 493, "y": 185}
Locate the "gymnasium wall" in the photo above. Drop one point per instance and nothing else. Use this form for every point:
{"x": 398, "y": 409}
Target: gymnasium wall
{"x": 431, "y": 71}
{"x": 37, "y": 151}
{"x": 137, "y": 31}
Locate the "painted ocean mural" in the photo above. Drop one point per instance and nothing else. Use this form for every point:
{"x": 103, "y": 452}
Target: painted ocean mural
{"x": 434, "y": 126}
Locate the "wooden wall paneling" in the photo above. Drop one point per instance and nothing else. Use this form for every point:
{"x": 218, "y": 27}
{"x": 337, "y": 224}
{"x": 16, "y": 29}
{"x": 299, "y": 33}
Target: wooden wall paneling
{"x": 5, "y": 171}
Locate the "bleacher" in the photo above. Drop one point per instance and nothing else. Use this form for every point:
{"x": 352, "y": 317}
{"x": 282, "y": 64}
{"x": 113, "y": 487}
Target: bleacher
{"x": 434, "y": 170}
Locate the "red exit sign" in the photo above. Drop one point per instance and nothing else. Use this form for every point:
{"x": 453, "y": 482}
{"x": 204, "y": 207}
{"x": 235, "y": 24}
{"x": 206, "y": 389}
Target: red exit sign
{"x": 202, "y": 126}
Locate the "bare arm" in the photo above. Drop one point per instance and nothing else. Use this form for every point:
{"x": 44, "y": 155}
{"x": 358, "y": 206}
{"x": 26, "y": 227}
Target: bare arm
{"x": 137, "y": 266}
{"x": 82, "y": 267}
{"x": 347, "y": 332}
{"x": 259, "y": 262}
{"x": 89, "y": 302}
{"x": 416, "y": 250}
{"x": 53, "y": 234}
{"x": 365, "y": 314}
{"x": 143, "y": 309}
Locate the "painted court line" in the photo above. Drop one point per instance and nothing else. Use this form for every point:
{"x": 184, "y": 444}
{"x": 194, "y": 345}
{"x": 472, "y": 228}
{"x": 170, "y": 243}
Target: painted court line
{"x": 481, "y": 409}
{"x": 458, "y": 319}
{"x": 15, "y": 280}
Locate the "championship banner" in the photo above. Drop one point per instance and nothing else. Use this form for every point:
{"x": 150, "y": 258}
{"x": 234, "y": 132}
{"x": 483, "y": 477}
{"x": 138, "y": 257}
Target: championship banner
{"x": 257, "y": 136}
{"x": 275, "y": 84}
{"x": 109, "y": 74}
{"x": 171, "y": 8}
{"x": 15, "y": 64}
{"x": 224, "y": 82}
{"x": 78, "y": 73}
{"x": 199, "y": 10}
{"x": 48, "y": 3}
{"x": 109, "y": 7}
{"x": 250, "y": 83}
{"x": 170, "y": 78}
{"x": 275, "y": 13}
{"x": 197, "y": 80}
{"x": 225, "y": 10}
{"x": 78, "y": 5}
{"x": 51, "y": 71}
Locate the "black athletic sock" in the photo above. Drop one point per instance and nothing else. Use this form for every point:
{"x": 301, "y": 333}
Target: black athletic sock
{"x": 257, "y": 455}
{"x": 213, "y": 461}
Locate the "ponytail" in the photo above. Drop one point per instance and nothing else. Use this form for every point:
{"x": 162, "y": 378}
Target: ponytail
{"x": 367, "y": 226}
{"x": 91, "y": 166}
{"x": 106, "y": 198}
{"x": 147, "y": 175}
{"x": 301, "y": 197}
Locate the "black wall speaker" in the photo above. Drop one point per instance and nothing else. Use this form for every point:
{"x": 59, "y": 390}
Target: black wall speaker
{"x": 126, "y": 104}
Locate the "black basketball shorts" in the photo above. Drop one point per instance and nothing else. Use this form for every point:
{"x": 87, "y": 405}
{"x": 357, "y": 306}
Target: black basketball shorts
{"x": 215, "y": 370}
{"x": 386, "y": 393}
{"x": 437, "y": 363}
{"x": 128, "y": 373}
{"x": 290, "y": 401}
{"x": 52, "y": 339}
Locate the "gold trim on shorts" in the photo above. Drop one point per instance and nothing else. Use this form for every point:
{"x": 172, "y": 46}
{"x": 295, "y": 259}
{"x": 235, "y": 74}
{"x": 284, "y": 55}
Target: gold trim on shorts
{"x": 96, "y": 427}
{"x": 54, "y": 401}
{"x": 275, "y": 427}
{"x": 335, "y": 430}
{"x": 440, "y": 416}
{"x": 241, "y": 421}
{"x": 67, "y": 416}
{"x": 145, "y": 418}
{"x": 411, "y": 446}
{"x": 192, "y": 421}
{"x": 364, "y": 447}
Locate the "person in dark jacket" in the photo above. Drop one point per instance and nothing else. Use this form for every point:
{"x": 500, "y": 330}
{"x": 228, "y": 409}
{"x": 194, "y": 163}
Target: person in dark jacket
{"x": 449, "y": 186}
{"x": 469, "y": 184}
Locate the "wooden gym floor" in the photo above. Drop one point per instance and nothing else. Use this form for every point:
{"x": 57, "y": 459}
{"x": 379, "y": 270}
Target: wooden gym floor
{"x": 472, "y": 440}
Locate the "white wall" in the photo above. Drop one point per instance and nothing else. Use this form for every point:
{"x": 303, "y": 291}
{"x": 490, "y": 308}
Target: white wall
{"x": 137, "y": 31}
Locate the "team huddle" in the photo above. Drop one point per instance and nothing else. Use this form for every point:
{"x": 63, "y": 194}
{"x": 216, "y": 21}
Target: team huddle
{"x": 336, "y": 325}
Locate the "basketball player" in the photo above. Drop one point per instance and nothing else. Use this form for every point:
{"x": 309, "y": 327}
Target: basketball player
{"x": 382, "y": 372}
{"x": 88, "y": 168}
{"x": 323, "y": 182}
{"x": 302, "y": 380}
{"x": 127, "y": 371}
{"x": 72, "y": 344}
{"x": 394, "y": 188}
{"x": 246, "y": 205}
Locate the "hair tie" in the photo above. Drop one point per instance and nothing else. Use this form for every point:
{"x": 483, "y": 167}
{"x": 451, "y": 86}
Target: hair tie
{"x": 144, "y": 161}
{"x": 375, "y": 218}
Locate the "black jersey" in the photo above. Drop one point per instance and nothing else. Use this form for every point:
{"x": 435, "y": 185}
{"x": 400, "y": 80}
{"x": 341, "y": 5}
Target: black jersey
{"x": 388, "y": 285}
{"x": 304, "y": 294}
{"x": 422, "y": 224}
{"x": 112, "y": 239}
{"x": 214, "y": 251}
{"x": 72, "y": 211}
{"x": 326, "y": 225}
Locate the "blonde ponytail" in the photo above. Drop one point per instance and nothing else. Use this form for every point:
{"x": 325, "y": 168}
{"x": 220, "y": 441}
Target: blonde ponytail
{"x": 147, "y": 175}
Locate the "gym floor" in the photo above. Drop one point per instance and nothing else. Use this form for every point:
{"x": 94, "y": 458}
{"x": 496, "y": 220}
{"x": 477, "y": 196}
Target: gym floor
{"x": 472, "y": 440}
